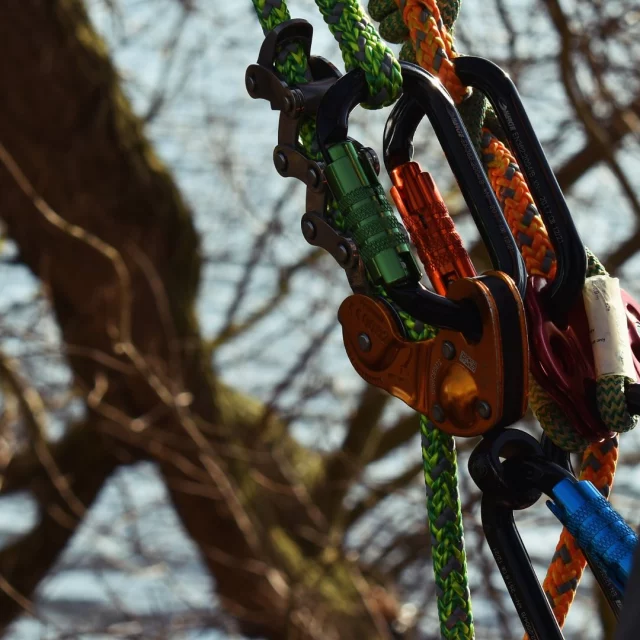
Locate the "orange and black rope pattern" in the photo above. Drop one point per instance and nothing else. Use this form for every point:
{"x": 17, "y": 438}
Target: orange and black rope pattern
{"x": 513, "y": 193}
{"x": 435, "y": 52}
{"x": 568, "y": 562}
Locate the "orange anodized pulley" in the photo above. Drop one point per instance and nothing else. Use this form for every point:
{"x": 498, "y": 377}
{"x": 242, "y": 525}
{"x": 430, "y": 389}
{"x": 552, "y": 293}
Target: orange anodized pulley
{"x": 466, "y": 387}
{"x": 432, "y": 231}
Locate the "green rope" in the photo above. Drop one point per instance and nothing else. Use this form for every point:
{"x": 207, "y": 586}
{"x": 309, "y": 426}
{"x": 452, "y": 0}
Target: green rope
{"x": 610, "y": 389}
{"x": 610, "y": 399}
{"x": 444, "y": 512}
{"x": 393, "y": 29}
{"x": 380, "y": 9}
{"x": 362, "y": 47}
{"x": 359, "y": 42}
{"x": 447, "y": 538}
{"x": 291, "y": 64}
{"x": 554, "y": 421}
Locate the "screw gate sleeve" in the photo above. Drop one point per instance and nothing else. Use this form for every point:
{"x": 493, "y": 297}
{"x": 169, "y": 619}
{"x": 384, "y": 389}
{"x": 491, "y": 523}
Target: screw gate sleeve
{"x": 381, "y": 240}
{"x": 598, "y": 529}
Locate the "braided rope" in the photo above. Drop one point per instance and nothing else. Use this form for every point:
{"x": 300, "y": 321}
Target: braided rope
{"x": 433, "y": 43}
{"x": 292, "y": 62}
{"x": 553, "y": 420}
{"x": 359, "y": 43}
{"x": 445, "y": 524}
{"x": 524, "y": 220}
{"x": 362, "y": 48}
{"x": 428, "y": 26}
{"x": 568, "y": 562}
{"x": 444, "y": 512}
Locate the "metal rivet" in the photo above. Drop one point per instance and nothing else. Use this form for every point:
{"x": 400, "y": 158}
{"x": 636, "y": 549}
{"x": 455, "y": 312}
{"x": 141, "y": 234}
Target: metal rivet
{"x": 308, "y": 229}
{"x": 484, "y": 409}
{"x": 250, "y": 84}
{"x": 312, "y": 177}
{"x": 372, "y": 157}
{"x": 342, "y": 254}
{"x": 364, "y": 342}
{"x": 281, "y": 162}
{"x": 437, "y": 413}
{"x": 448, "y": 350}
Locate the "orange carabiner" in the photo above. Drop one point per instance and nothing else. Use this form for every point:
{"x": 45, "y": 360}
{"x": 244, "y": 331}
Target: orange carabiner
{"x": 432, "y": 231}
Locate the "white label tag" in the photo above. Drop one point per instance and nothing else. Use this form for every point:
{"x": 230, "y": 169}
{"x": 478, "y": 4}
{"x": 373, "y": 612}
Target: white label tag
{"x": 608, "y": 327}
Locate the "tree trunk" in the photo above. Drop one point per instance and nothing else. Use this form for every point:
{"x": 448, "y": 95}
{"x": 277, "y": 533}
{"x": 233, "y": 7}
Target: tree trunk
{"x": 65, "y": 121}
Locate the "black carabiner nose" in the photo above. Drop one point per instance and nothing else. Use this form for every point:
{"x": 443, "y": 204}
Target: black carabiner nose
{"x": 425, "y": 95}
{"x": 570, "y": 252}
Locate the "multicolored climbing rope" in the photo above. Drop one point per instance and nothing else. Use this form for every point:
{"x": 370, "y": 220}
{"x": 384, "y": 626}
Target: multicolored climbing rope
{"x": 445, "y": 524}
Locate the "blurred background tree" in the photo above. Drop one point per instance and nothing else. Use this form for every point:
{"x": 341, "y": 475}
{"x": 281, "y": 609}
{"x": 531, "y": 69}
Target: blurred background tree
{"x": 185, "y": 450}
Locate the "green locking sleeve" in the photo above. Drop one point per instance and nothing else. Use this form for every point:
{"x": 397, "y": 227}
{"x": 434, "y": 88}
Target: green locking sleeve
{"x": 369, "y": 219}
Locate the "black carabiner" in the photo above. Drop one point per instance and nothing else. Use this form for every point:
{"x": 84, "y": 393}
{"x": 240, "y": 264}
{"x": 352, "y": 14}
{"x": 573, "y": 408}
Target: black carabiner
{"x": 499, "y": 500}
{"x": 513, "y": 470}
{"x": 425, "y": 95}
{"x": 332, "y": 127}
{"x": 570, "y": 252}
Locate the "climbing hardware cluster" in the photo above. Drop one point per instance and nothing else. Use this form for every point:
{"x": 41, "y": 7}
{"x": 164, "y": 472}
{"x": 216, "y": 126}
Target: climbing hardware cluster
{"x": 546, "y": 327}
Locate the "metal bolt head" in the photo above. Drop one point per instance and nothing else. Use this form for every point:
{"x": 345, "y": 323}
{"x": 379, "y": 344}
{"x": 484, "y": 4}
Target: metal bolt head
{"x": 308, "y": 229}
{"x": 312, "y": 177}
{"x": 364, "y": 342}
{"x": 342, "y": 253}
{"x": 250, "y": 83}
{"x": 484, "y": 409}
{"x": 448, "y": 350}
{"x": 437, "y": 413}
{"x": 372, "y": 157}
{"x": 281, "y": 162}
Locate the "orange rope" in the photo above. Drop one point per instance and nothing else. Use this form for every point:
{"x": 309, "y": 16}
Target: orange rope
{"x": 435, "y": 52}
{"x": 525, "y": 223}
{"x": 568, "y": 562}
{"x": 433, "y": 43}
